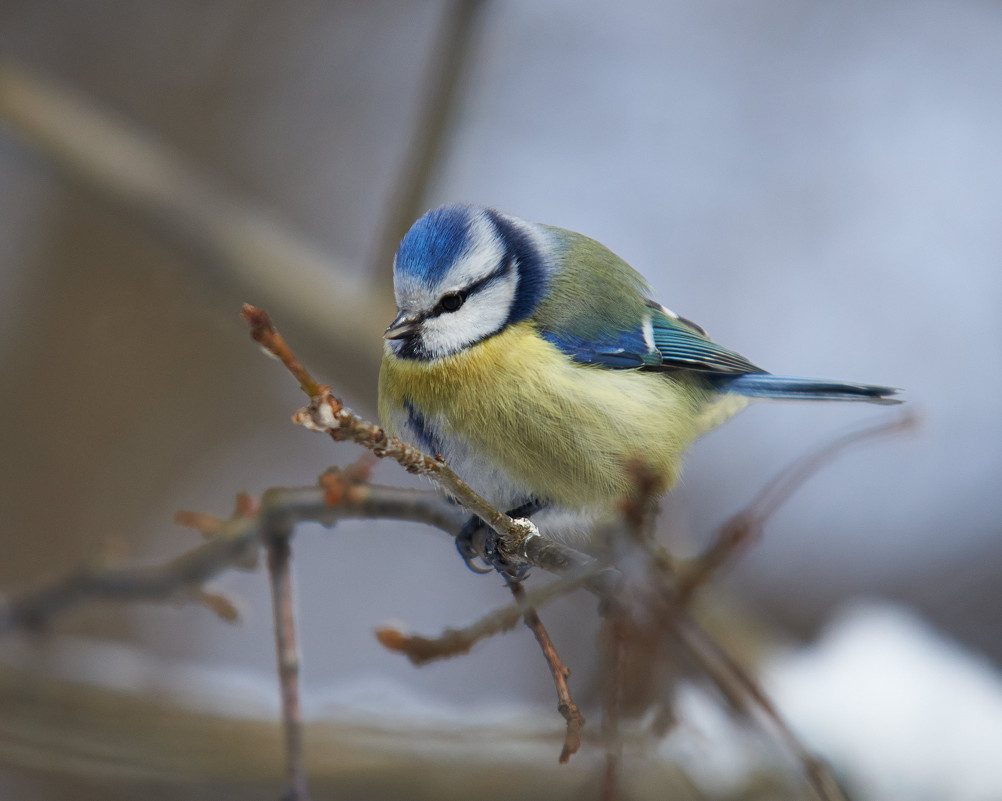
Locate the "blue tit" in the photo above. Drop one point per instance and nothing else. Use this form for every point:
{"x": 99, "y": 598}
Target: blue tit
{"x": 534, "y": 361}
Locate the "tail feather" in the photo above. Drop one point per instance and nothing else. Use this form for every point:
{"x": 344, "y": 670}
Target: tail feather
{"x": 780, "y": 387}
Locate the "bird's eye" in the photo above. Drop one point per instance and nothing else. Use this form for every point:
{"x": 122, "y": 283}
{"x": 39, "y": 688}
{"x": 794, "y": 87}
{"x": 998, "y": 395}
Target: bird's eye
{"x": 451, "y": 301}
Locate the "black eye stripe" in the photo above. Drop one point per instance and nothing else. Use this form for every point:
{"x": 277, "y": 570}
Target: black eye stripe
{"x": 477, "y": 286}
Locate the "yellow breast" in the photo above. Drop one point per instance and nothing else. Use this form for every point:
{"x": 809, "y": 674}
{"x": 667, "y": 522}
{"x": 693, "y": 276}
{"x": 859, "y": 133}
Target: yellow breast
{"x": 566, "y": 431}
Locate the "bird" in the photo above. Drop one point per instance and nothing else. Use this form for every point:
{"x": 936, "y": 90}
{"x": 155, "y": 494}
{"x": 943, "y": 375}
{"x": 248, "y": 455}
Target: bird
{"x": 535, "y": 362}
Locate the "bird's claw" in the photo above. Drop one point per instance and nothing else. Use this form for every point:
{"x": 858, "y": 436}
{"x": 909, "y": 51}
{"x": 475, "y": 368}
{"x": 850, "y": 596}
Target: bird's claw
{"x": 491, "y": 557}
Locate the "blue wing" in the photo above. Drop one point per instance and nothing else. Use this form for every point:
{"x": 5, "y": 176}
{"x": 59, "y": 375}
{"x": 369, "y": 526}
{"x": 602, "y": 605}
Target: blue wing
{"x": 664, "y": 341}
{"x": 660, "y": 341}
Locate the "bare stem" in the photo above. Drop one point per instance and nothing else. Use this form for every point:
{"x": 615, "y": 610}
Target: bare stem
{"x": 326, "y": 414}
{"x": 453, "y": 642}
{"x": 565, "y": 703}
{"x": 230, "y": 543}
{"x": 734, "y": 681}
{"x": 284, "y": 613}
{"x": 100, "y": 580}
{"x": 746, "y": 526}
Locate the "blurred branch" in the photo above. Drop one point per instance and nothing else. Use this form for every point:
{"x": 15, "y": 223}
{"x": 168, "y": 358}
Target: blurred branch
{"x": 615, "y": 642}
{"x": 746, "y": 527}
{"x": 104, "y": 581}
{"x": 450, "y": 60}
{"x": 735, "y": 682}
{"x": 100, "y": 743}
{"x": 244, "y": 245}
{"x": 283, "y": 608}
{"x": 230, "y": 543}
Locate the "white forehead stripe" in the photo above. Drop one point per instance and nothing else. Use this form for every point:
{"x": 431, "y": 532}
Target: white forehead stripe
{"x": 481, "y": 258}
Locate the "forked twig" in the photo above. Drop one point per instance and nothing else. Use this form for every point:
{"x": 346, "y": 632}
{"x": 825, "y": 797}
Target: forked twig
{"x": 229, "y": 543}
{"x": 453, "y": 642}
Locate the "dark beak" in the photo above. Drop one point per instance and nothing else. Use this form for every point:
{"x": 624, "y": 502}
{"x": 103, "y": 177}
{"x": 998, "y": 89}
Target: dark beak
{"x": 400, "y": 327}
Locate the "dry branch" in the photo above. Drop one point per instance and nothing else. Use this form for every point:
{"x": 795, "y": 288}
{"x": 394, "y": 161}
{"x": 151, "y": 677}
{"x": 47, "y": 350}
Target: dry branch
{"x": 746, "y": 527}
{"x": 565, "y": 702}
{"x": 735, "y": 682}
{"x": 231, "y": 543}
{"x": 520, "y": 540}
{"x": 283, "y": 608}
{"x": 453, "y": 642}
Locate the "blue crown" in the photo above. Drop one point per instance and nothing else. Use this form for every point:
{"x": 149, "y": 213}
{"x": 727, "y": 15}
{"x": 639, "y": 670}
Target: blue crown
{"x": 434, "y": 243}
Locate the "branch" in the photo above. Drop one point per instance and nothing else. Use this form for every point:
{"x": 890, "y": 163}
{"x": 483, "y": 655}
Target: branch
{"x": 746, "y": 527}
{"x": 283, "y": 608}
{"x": 565, "y": 703}
{"x": 453, "y": 642}
{"x": 611, "y": 708}
{"x": 231, "y": 543}
{"x": 734, "y": 682}
{"x": 520, "y": 540}
{"x": 99, "y": 580}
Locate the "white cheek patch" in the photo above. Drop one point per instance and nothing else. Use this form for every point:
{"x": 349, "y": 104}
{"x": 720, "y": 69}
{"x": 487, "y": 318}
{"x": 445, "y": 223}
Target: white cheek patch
{"x": 484, "y": 313}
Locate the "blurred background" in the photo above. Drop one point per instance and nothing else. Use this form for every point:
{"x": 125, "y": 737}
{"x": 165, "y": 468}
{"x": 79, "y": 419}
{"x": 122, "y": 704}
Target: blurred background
{"x": 816, "y": 184}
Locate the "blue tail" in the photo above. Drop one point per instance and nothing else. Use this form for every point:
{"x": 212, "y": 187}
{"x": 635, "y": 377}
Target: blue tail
{"x": 780, "y": 387}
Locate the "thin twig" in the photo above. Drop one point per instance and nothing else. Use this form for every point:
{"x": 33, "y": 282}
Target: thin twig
{"x": 284, "y": 613}
{"x": 235, "y": 542}
{"x": 230, "y": 543}
{"x": 453, "y": 642}
{"x": 520, "y": 541}
{"x": 734, "y": 681}
{"x": 99, "y": 580}
{"x": 565, "y": 702}
{"x": 746, "y": 526}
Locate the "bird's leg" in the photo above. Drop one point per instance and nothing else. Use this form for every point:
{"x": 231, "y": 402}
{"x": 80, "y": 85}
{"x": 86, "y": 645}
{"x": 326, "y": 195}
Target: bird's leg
{"x": 473, "y": 526}
{"x": 464, "y": 543}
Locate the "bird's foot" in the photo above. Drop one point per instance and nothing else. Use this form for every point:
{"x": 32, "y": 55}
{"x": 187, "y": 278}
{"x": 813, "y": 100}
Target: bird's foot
{"x": 464, "y": 543}
{"x": 491, "y": 556}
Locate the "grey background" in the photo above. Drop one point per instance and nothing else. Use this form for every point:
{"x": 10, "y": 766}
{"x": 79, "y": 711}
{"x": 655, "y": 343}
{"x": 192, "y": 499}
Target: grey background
{"x": 816, "y": 184}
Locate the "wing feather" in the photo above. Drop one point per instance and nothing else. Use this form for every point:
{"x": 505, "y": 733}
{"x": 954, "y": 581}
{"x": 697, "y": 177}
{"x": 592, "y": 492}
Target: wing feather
{"x": 661, "y": 340}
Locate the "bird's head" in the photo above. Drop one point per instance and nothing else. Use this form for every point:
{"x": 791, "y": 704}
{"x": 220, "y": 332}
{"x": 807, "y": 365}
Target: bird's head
{"x": 463, "y": 274}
